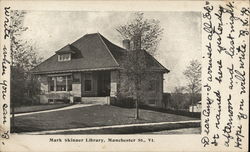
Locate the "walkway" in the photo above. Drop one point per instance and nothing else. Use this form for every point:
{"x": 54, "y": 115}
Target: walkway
{"x": 58, "y": 109}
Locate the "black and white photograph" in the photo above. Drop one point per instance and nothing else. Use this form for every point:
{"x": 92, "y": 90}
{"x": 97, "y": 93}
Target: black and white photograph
{"x": 124, "y": 76}
{"x": 83, "y": 72}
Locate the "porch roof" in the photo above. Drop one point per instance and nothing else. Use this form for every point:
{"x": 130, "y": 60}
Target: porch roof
{"x": 80, "y": 70}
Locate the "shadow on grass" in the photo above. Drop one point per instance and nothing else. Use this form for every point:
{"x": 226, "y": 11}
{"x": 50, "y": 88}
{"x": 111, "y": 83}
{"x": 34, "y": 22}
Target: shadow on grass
{"x": 135, "y": 129}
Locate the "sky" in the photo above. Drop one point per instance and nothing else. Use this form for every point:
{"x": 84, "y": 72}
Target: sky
{"x": 181, "y": 41}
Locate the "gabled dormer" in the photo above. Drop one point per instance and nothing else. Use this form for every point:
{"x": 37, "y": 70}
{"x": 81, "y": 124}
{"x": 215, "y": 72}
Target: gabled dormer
{"x": 64, "y": 57}
{"x": 66, "y": 53}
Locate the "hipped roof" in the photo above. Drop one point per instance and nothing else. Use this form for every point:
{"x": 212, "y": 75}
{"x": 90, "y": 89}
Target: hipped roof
{"x": 90, "y": 52}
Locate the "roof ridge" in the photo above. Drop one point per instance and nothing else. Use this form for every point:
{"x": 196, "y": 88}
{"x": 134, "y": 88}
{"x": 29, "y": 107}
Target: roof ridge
{"x": 157, "y": 61}
{"x": 112, "y": 42}
{"x": 99, "y": 35}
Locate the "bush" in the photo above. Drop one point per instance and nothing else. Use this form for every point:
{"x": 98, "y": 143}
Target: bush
{"x": 125, "y": 102}
{"x": 170, "y": 111}
{"x": 77, "y": 99}
{"x": 66, "y": 101}
{"x": 24, "y": 88}
{"x": 35, "y": 100}
{"x": 27, "y": 100}
{"x": 179, "y": 101}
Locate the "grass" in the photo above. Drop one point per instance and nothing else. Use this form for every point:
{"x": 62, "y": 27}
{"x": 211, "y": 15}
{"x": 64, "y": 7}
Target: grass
{"x": 196, "y": 130}
{"x": 136, "y": 129}
{"x": 34, "y": 108}
{"x": 99, "y": 115}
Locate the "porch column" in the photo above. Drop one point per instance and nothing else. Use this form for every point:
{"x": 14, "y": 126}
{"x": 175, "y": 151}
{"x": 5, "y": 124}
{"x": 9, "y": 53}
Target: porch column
{"x": 113, "y": 83}
{"x": 44, "y": 87}
{"x": 76, "y": 85}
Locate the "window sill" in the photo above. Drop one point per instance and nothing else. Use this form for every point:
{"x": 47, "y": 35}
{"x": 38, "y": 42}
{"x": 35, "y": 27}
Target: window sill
{"x": 64, "y": 61}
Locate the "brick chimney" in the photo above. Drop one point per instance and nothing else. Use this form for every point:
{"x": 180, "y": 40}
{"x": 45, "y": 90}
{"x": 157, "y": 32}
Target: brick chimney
{"x": 136, "y": 42}
{"x": 126, "y": 44}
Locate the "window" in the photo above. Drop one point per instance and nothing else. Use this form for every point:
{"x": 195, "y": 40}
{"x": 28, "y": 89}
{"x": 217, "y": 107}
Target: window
{"x": 88, "y": 82}
{"x": 70, "y": 80}
{"x": 64, "y": 57}
{"x": 60, "y": 83}
{"x": 51, "y": 83}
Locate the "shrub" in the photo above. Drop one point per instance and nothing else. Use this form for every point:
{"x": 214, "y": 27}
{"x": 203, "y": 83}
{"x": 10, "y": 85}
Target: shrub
{"x": 125, "y": 102}
{"x": 27, "y": 100}
{"x": 35, "y": 100}
{"x": 65, "y": 99}
{"x": 177, "y": 112}
{"x": 77, "y": 99}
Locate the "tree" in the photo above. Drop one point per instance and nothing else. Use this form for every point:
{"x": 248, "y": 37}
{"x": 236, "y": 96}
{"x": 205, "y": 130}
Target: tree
{"x": 23, "y": 52}
{"x": 146, "y": 32}
{"x": 23, "y": 58}
{"x": 193, "y": 76}
{"x": 178, "y": 98}
{"x": 149, "y": 30}
{"x": 135, "y": 70}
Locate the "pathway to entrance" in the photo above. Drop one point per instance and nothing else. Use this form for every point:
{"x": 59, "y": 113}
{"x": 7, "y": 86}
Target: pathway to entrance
{"x": 58, "y": 109}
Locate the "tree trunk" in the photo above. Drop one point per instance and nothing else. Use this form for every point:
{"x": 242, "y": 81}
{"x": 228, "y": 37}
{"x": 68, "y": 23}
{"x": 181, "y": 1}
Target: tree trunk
{"x": 137, "y": 100}
{"x": 13, "y": 118}
{"x": 13, "y": 114}
{"x": 192, "y": 102}
{"x": 137, "y": 109}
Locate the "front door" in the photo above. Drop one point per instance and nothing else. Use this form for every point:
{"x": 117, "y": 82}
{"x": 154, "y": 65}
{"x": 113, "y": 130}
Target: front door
{"x": 88, "y": 85}
{"x": 103, "y": 84}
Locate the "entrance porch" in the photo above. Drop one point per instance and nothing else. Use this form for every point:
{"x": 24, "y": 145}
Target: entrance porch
{"x": 86, "y": 87}
{"x": 95, "y": 84}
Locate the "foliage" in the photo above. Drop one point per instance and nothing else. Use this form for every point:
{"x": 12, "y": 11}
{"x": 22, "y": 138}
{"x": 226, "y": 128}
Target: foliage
{"x": 180, "y": 101}
{"x": 178, "y": 98}
{"x": 148, "y": 33}
{"x": 24, "y": 58}
{"x": 184, "y": 96}
{"x": 193, "y": 76}
{"x": 136, "y": 76}
{"x": 135, "y": 69}
{"x": 77, "y": 99}
{"x": 149, "y": 29}
{"x": 125, "y": 102}
{"x": 173, "y": 111}
{"x": 23, "y": 52}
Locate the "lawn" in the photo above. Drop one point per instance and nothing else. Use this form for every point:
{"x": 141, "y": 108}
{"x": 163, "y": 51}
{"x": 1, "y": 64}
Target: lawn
{"x": 24, "y": 109}
{"x": 98, "y": 115}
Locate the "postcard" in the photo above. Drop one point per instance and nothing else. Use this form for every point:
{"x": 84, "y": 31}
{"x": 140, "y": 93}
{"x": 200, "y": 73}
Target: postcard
{"x": 124, "y": 75}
